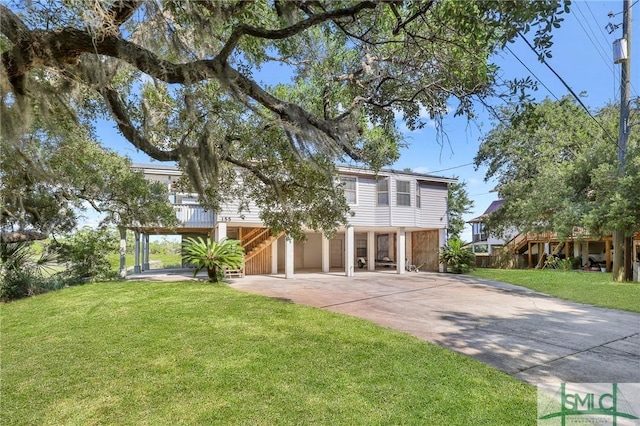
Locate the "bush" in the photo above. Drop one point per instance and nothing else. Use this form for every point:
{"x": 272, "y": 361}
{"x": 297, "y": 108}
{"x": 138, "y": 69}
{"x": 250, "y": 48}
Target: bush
{"x": 214, "y": 256}
{"x": 554, "y": 262}
{"x": 16, "y": 284}
{"x": 457, "y": 258}
{"x": 24, "y": 270}
{"x": 87, "y": 251}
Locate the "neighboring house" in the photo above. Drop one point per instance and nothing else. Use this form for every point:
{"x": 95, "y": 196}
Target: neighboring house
{"x": 401, "y": 216}
{"x": 482, "y": 244}
{"x": 591, "y": 252}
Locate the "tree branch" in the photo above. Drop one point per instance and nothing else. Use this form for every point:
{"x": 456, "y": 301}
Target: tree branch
{"x": 420, "y": 12}
{"x": 119, "y": 112}
{"x": 12, "y": 26}
{"x": 121, "y": 11}
{"x": 242, "y": 30}
{"x": 22, "y": 236}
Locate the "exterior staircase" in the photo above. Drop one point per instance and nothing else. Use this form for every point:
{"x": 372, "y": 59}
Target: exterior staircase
{"x": 257, "y": 244}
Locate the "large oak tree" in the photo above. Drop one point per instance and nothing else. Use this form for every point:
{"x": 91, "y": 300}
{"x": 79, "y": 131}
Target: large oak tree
{"x": 193, "y": 82}
{"x": 557, "y": 170}
{"x": 48, "y": 178}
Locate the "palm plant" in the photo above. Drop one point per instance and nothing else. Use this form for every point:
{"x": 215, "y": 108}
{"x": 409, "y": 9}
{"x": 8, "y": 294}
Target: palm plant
{"x": 456, "y": 257}
{"x": 215, "y": 256}
{"x": 22, "y": 271}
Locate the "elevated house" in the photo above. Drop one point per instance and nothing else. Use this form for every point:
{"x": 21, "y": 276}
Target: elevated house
{"x": 398, "y": 217}
{"x": 590, "y": 252}
{"x": 483, "y": 245}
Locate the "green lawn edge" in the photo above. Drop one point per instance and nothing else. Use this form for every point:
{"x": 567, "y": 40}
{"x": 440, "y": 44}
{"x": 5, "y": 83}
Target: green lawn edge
{"x": 592, "y": 288}
{"x": 197, "y": 353}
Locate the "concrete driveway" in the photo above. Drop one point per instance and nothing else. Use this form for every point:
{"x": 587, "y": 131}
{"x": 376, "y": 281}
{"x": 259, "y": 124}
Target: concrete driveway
{"x": 531, "y": 336}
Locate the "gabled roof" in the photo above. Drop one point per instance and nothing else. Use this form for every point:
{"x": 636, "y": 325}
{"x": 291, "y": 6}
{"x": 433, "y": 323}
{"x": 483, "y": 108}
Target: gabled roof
{"x": 492, "y": 208}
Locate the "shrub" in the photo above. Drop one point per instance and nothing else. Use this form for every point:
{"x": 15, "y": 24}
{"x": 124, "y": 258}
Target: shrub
{"x": 23, "y": 272}
{"x": 87, "y": 252}
{"x": 215, "y": 256}
{"x": 457, "y": 258}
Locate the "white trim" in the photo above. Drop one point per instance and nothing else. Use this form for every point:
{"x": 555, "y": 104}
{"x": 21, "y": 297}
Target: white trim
{"x": 356, "y": 189}
{"x": 408, "y": 182}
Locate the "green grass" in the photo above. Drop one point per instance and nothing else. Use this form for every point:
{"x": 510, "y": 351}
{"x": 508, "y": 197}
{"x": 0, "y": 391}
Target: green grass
{"x": 195, "y": 353}
{"x": 593, "y": 288}
{"x": 169, "y": 260}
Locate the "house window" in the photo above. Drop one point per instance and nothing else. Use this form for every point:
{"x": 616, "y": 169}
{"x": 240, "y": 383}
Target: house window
{"x": 383, "y": 192}
{"x": 418, "y": 200}
{"x": 403, "y": 193}
{"x": 350, "y": 184}
{"x": 480, "y": 248}
{"x": 478, "y": 232}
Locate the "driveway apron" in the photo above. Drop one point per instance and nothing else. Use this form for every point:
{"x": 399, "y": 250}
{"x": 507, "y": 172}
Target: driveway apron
{"x": 531, "y": 336}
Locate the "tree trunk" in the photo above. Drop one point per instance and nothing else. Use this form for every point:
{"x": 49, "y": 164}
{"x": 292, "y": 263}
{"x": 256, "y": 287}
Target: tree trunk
{"x": 619, "y": 273}
{"x": 213, "y": 274}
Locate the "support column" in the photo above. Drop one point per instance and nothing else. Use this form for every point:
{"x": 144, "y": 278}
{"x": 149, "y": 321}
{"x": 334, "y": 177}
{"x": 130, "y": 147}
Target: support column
{"x": 122, "y": 272}
{"x": 136, "y": 253}
{"x": 145, "y": 252}
{"x": 441, "y": 243}
{"x": 288, "y": 257}
{"x": 371, "y": 251}
{"x": 585, "y": 254}
{"x": 274, "y": 258}
{"x": 401, "y": 251}
{"x": 220, "y": 231}
{"x": 326, "y": 266}
{"x": 529, "y": 249}
{"x": 349, "y": 251}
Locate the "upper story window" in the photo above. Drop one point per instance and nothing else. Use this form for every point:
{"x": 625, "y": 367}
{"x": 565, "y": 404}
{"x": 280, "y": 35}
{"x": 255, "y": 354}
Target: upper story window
{"x": 383, "y": 192}
{"x": 403, "y": 193}
{"x": 478, "y": 232}
{"x": 350, "y": 188}
{"x": 418, "y": 196}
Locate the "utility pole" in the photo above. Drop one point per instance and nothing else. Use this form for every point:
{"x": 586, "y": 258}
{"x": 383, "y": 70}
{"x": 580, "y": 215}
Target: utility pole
{"x": 621, "y": 242}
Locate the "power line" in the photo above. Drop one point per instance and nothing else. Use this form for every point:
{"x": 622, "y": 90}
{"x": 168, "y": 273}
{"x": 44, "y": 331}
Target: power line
{"x": 564, "y": 83}
{"x": 611, "y": 14}
{"x": 598, "y": 47}
{"x": 451, "y": 168}
{"x": 532, "y": 73}
{"x": 604, "y": 36}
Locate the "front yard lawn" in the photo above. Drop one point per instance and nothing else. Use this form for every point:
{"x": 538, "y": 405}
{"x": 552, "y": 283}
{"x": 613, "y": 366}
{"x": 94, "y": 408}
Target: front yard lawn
{"x": 593, "y": 288}
{"x": 195, "y": 353}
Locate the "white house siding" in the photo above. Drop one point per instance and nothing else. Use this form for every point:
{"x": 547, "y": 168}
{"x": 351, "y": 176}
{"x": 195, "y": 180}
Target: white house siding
{"x": 365, "y": 213}
{"x": 433, "y": 211}
{"x": 229, "y": 213}
{"x": 403, "y": 215}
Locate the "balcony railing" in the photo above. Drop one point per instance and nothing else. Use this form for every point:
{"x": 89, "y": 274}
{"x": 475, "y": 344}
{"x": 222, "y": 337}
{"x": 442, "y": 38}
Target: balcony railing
{"x": 194, "y": 216}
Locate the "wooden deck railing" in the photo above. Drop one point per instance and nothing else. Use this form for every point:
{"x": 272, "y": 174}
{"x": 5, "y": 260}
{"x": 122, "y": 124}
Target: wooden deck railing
{"x": 194, "y": 216}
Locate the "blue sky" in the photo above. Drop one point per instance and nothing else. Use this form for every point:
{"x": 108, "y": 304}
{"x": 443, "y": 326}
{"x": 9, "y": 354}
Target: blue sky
{"x": 582, "y": 56}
